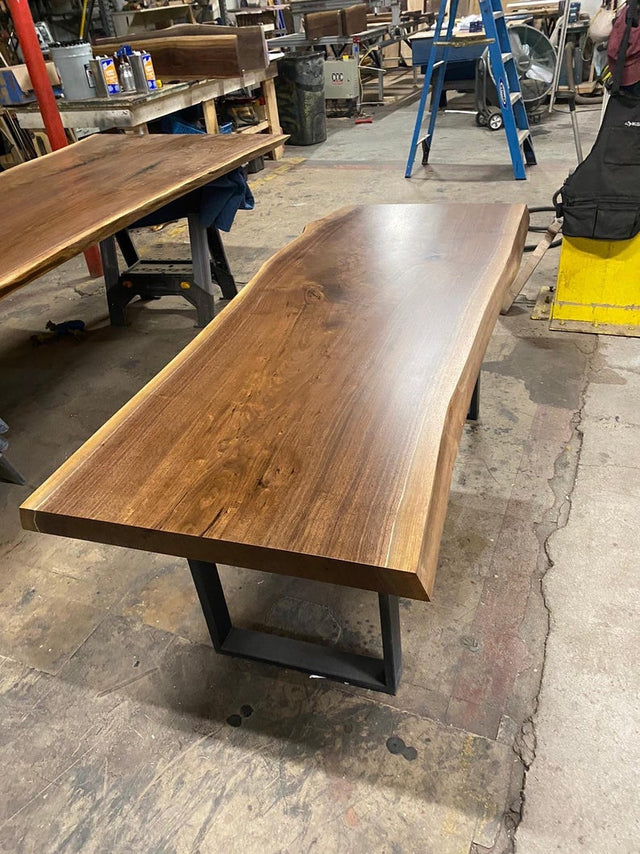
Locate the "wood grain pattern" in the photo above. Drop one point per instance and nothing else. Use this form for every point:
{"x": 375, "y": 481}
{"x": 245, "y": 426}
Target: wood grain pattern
{"x": 353, "y": 19}
{"x": 311, "y": 429}
{"x": 188, "y": 57}
{"x": 55, "y": 206}
{"x": 252, "y": 45}
{"x": 318, "y": 24}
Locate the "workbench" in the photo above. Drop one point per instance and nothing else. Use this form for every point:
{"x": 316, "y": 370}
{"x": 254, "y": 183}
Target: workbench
{"x": 131, "y": 112}
{"x": 338, "y": 42}
{"x": 94, "y": 189}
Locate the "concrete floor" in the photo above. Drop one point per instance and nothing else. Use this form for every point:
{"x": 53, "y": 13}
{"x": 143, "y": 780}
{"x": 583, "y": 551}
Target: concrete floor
{"x": 122, "y": 731}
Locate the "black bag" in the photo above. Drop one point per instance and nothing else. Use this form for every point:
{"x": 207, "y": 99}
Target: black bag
{"x": 601, "y": 198}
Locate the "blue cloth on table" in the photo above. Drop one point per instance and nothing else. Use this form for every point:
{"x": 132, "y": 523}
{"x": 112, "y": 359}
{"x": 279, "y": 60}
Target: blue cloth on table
{"x": 217, "y": 203}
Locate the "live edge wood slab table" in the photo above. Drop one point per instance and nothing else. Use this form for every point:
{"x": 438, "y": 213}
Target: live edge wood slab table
{"x": 56, "y": 206}
{"x": 325, "y": 447}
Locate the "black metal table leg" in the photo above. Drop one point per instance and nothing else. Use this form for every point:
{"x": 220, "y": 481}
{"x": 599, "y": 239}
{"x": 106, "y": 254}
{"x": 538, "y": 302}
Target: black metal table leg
{"x": 474, "y": 407}
{"x": 220, "y": 264}
{"x": 117, "y": 295}
{"x": 377, "y": 674}
{"x": 391, "y": 640}
{"x": 125, "y": 244}
{"x": 200, "y": 294}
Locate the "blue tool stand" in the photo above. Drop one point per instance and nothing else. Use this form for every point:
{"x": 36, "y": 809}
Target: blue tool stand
{"x": 206, "y": 208}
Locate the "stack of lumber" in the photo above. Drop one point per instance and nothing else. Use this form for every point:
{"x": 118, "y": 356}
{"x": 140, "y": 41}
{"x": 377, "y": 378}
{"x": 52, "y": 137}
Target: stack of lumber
{"x": 196, "y": 51}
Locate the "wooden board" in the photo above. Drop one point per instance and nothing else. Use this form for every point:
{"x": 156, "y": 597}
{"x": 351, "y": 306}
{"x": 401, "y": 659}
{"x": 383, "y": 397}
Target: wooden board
{"x": 353, "y": 19}
{"x": 252, "y": 46}
{"x": 95, "y": 187}
{"x": 311, "y": 429}
{"x": 187, "y": 57}
{"x": 318, "y": 24}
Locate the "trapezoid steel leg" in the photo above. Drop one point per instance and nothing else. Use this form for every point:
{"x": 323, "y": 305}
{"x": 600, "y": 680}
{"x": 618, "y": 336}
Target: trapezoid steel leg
{"x": 118, "y": 297}
{"x": 377, "y": 674}
{"x": 202, "y": 293}
{"x": 220, "y": 264}
{"x": 474, "y": 407}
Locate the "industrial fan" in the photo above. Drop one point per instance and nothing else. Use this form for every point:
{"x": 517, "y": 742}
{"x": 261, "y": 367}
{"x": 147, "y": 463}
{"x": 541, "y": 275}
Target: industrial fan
{"x": 535, "y": 60}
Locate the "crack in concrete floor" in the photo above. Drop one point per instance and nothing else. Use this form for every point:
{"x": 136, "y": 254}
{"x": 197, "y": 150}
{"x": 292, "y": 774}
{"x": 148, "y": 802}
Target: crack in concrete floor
{"x": 563, "y": 485}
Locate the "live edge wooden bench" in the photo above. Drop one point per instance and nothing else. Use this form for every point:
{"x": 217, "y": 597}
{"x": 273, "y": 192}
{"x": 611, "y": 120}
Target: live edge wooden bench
{"x": 311, "y": 429}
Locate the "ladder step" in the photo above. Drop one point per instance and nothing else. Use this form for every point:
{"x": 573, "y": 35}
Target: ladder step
{"x": 515, "y": 96}
{"x": 455, "y": 43}
{"x": 522, "y": 135}
{"x": 506, "y": 57}
{"x": 497, "y": 15}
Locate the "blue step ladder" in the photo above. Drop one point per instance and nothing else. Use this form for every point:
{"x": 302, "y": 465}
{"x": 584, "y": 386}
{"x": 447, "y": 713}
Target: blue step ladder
{"x": 505, "y": 75}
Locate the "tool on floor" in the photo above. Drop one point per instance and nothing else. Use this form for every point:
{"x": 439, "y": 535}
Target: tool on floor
{"x": 505, "y": 75}
{"x": 72, "y": 328}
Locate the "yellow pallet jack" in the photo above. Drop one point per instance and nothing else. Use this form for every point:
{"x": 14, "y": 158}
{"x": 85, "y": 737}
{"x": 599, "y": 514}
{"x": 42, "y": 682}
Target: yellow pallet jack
{"x": 598, "y": 288}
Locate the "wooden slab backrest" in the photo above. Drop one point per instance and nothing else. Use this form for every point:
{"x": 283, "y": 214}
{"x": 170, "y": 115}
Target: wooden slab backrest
{"x": 54, "y": 207}
{"x": 311, "y": 429}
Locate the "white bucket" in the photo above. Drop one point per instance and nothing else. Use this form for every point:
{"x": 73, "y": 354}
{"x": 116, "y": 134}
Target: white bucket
{"x": 72, "y": 62}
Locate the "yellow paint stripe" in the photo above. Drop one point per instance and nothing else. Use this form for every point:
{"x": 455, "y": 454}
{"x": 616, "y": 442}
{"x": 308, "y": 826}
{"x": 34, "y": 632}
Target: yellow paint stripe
{"x": 284, "y": 167}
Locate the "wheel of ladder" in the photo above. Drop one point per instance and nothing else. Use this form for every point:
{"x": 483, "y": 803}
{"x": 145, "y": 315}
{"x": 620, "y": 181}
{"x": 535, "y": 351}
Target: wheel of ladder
{"x": 495, "y": 120}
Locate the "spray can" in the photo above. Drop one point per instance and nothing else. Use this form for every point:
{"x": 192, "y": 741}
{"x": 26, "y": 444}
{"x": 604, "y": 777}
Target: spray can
{"x": 109, "y": 75}
{"x": 137, "y": 66}
{"x": 98, "y": 78}
{"x": 149, "y": 71}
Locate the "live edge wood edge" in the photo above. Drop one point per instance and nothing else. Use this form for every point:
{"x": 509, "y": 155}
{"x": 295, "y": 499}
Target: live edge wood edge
{"x": 412, "y": 583}
{"x": 34, "y": 266}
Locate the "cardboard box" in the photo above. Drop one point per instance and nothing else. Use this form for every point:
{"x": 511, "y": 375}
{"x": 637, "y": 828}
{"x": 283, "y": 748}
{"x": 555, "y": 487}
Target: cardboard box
{"x": 15, "y": 84}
